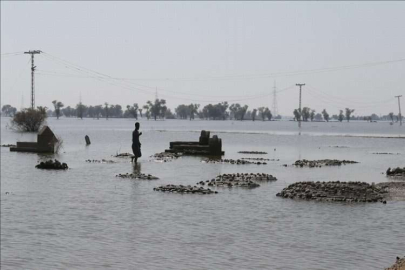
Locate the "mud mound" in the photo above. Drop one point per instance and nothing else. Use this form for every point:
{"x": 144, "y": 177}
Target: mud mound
{"x": 52, "y": 165}
{"x": 334, "y": 191}
{"x": 185, "y": 189}
{"x": 233, "y": 161}
{"x": 322, "y": 162}
{"x": 140, "y": 176}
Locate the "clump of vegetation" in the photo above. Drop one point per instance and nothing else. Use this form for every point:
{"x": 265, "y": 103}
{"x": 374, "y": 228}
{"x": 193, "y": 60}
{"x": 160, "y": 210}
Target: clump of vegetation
{"x": 29, "y": 120}
{"x": 8, "y": 110}
{"x": 57, "y": 105}
{"x": 58, "y": 144}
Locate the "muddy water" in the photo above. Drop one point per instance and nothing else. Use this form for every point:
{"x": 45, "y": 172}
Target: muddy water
{"x": 86, "y": 218}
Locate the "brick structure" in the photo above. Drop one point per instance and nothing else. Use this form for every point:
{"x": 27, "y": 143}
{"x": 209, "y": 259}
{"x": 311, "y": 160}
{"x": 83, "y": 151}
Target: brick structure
{"x": 205, "y": 146}
{"x": 46, "y": 142}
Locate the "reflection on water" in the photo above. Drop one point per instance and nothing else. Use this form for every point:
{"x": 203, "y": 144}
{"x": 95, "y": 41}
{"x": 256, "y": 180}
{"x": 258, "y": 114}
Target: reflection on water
{"x": 86, "y": 218}
{"x": 137, "y": 167}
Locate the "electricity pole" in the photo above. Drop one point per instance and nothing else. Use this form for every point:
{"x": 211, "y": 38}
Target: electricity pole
{"x": 32, "y": 76}
{"x": 300, "y": 111}
{"x": 399, "y": 106}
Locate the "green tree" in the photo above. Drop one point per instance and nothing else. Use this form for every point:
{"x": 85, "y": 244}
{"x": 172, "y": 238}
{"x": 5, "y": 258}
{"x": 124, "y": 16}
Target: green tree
{"x": 254, "y": 112}
{"x": 57, "y": 105}
{"x": 325, "y": 115}
{"x": 268, "y": 114}
{"x": 306, "y": 113}
{"x": 297, "y": 115}
{"x": 80, "y": 109}
{"x": 348, "y": 113}
{"x": 261, "y": 113}
{"x": 8, "y": 110}
{"x": 182, "y": 111}
{"x": 340, "y": 116}
{"x": 391, "y": 115}
{"x": 98, "y": 109}
{"x": 158, "y": 108}
{"x": 312, "y": 115}
{"x": 192, "y": 110}
{"x": 107, "y": 110}
{"x": 147, "y": 111}
{"x": 238, "y": 111}
{"x": 133, "y": 110}
{"x": 29, "y": 119}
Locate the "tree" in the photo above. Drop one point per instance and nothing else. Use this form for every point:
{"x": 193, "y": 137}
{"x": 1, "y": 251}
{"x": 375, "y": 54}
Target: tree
{"x": 306, "y": 113}
{"x": 107, "y": 110}
{"x": 8, "y": 110}
{"x": 318, "y": 117}
{"x": 254, "y": 112}
{"x": 57, "y": 105}
{"x": 261, "y": 113}
{"x": 80, "y": 109}
{"x": 158, "y": 108}
{"x": 234, "y": 109}
{"x": 182, "y": 111}
{"x": 192, "y": 109}
{"x": 222, "y": 107}
{"x": 325, "y": 115}
{"x": 169, "y": 114}
{"x": 391, "y": 115}
{"x": 268, "y": 114}
{"x": 340, "y": 117}
{"x": 116, "y": 111}
{"x": 29, "y": 119}
{"x": 312, "y": 115}
{"x": 147, "y": 113}
{"x": 238, "y": 111}
{"x": 348, "y": 113}
{"x": 242, "y": 112}
{"x": 215, "y": 112}
{"x": 297, "y": 115}
{"x": 98, "y": 110}
{"x": 140, "y": 112}
{"x": 68, "y": 111}
{"x": 374, "y": 117}
{"x": 133, "y": 110}
{"x": 264, "y": 112}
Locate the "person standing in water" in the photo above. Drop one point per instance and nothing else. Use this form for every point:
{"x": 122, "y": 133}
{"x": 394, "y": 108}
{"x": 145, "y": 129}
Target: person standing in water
{"x": 136, "y": 145}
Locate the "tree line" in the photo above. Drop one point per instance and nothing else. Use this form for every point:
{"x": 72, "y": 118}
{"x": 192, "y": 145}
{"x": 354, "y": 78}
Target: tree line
{"x": 307, "y": 114}
{"x": 220, "y": 111}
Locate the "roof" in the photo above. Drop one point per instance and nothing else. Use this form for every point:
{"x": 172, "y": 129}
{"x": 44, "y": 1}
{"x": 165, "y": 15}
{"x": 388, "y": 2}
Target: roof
{"x": 46, "y": 131}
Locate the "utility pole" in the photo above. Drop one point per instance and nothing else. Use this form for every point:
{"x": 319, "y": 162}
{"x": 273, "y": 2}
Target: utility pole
{"x": 156, "y": 94}
{"x": 300, "y": 111}
{"x": 32, "y": 76}
{"x": 275, "y": 108}
{"x": 399, "y": 106}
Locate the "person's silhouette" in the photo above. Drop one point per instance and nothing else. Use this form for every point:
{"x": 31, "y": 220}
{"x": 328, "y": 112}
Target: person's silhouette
{"x": 136, "y": 145}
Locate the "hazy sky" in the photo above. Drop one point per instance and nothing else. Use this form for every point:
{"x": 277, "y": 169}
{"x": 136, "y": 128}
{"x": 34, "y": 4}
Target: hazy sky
{"x": 206, "y": 52}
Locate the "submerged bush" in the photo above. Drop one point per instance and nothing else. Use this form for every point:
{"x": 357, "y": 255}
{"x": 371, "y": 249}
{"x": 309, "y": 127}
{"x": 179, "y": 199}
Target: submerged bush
{"x": 29, "y": 119}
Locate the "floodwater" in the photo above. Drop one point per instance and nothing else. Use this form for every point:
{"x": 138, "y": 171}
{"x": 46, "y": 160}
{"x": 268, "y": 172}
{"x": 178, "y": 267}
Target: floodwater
{"x": 86, "y": 218}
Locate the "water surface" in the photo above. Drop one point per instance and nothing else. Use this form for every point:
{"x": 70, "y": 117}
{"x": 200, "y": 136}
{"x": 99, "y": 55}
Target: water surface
{"x": 86, "y": 218}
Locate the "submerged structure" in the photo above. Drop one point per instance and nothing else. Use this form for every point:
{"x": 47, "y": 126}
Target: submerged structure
{"x": 46, "y": 143}
{"x": 206, "y": 146}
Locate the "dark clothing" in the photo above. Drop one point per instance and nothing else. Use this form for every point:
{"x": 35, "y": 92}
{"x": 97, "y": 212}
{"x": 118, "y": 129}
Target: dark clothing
{"x": 136, "y": 145}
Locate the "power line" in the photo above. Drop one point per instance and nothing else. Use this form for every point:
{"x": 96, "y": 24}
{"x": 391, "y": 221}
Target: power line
{"x": 113, "y": 81}
{"x": 12, "y": 53}
{"x": 337, "y": 98}
{"x": 272, "y": 75}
